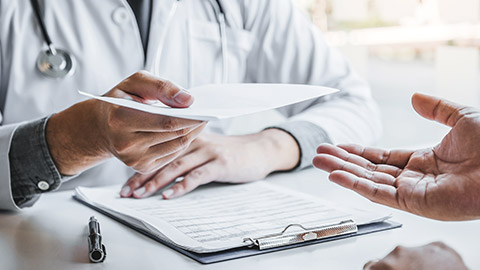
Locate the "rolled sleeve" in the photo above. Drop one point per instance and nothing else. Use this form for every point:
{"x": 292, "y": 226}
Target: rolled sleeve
{"x": 33, "y": 171}
{"x": 308, "y": 136}
{"x": 6, "y": 198}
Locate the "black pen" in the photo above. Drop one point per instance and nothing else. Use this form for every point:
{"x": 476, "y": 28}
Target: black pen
{"x": 97, "y": 251}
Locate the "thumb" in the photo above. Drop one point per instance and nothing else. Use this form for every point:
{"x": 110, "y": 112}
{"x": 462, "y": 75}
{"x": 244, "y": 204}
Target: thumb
{"x": 440, "y": 110}
{"x": 146, "y": 87}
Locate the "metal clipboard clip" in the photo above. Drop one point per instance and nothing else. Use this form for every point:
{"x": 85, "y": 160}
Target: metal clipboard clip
{"x": 308, "y": 234}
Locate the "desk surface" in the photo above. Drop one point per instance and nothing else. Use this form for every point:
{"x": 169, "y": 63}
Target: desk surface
{"x": 52, "y": 235}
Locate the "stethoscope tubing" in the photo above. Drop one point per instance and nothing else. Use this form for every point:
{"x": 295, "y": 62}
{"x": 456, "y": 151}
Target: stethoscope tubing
{"x": 53, "y": 63}
{"x": 46, "y": 36}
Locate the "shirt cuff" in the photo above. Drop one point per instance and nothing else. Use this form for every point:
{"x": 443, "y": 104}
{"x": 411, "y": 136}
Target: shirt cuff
{"x": 308, "y": 137}
{"x": 32, "y": 170}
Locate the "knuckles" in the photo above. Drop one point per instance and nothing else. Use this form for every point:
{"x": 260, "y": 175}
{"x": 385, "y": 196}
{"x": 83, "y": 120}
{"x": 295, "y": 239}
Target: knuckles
{"x": 214, "y": 150}
{"x": 198, "y": 173}
{"x": 169, "y": 123}
{"x": 371, "y": 167}
{"x": 181, "y": 143}
{"x": 139, "y": 75}
{"x": 184, "y": 141}
{"x": 160, "y": 85}
{"x": 222, "y": 160}
{"x": 176, "y": 165}
{"x": 182, "y": 132}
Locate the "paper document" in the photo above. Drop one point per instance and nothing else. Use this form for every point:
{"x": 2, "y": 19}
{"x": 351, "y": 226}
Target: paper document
{"x": 221, "y": 101}
{"x": 216, "y": 218}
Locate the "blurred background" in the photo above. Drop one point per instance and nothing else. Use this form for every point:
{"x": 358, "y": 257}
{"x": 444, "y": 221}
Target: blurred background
{"x": 406, "y": 46}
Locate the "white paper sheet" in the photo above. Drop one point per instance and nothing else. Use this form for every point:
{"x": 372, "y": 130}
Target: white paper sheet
{"x": 218, "y": 218}
{"x": 221, "y": 101}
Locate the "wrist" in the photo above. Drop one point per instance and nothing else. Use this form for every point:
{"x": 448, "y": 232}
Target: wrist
{"x": 73, "y": 138}
{"x": 283, "y": 149}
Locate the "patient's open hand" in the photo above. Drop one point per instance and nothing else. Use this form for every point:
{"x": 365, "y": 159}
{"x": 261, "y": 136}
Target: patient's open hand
{"x": 442, "y": 182}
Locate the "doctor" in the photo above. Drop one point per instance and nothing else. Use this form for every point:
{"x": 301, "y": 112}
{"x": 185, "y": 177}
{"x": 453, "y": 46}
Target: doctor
{"x": 187, "y": 42}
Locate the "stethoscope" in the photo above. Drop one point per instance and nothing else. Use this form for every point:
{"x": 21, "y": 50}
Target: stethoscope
{"x": 53, "y": 62}
{"x": 58, "y": 63}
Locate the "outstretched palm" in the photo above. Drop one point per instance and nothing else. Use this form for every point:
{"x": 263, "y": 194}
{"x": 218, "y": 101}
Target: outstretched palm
{"x": 441, "y": 182}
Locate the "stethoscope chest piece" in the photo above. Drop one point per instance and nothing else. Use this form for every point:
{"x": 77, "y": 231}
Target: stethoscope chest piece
{"x": 55, "y": 65}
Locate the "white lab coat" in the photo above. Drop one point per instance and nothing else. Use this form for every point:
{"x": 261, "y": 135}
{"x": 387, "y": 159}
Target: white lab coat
{"x": 268, "y": 41}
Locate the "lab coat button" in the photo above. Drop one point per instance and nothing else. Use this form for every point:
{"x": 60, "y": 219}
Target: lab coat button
{"x": 120, "y": 15}
{"x": 42, "y": 185}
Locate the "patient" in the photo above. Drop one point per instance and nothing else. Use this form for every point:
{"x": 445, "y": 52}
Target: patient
{"x": 441, "y": 183}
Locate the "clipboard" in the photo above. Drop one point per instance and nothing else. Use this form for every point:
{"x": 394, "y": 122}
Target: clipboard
{"x": 272, "y": 242}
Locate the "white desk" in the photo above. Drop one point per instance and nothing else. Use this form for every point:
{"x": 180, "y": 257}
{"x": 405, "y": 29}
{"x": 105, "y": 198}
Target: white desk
{"x": 52, "y": 235}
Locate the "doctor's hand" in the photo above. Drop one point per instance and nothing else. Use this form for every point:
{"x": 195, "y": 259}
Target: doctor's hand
{"x": 92, "y": 131}
{"x": 212, "y": 157}
{"x": 436, "y": 256}
{"x": 442, "y": 182}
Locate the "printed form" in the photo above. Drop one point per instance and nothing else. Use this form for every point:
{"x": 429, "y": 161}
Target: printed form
{"x": 220, "y": 217}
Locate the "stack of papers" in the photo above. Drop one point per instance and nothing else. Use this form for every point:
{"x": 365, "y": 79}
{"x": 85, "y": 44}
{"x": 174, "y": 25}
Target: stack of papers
{"x": 220, "y": 217}
{"x": 221, "y": 101}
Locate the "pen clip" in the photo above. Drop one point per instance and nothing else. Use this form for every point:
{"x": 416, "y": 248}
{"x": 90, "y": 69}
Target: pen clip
{"x": 104, "y": 252}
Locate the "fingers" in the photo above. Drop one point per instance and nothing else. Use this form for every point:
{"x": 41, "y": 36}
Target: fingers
{"x": 142, "y": 141}
{"x": 140, "y": 186}
{"x": 331, "y": 163}
{"x": 378, "y": 193}
{"x": 149, "y": 87}
{"x": 169, "y": 173}
{"x": 175, "y": 145}
{"x": 199, "y": 176}
{"x": 358, "y": 160}
{"x": 159, "y": 155}
{"x": 135, "y": 182}
{"x": 442, "y": 111}
{"x": 123, "y": 118}
{"x": 397, "y": 158}
{"x": 135, "y": 185}
{"x": 154, "y": 138}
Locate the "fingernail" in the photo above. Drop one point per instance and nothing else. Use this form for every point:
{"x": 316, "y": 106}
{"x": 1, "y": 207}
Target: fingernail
{"x": 167, "y": 193}
{"x": 139, "y": 192}
{"x": 125, "y": 191}
{"x": 182, "y": 97}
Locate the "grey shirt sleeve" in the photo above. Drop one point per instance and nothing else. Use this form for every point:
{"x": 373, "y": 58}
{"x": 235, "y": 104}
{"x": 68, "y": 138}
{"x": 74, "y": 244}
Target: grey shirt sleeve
{"x": 308, "y": 137}
{"x": 32, "y": 168}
